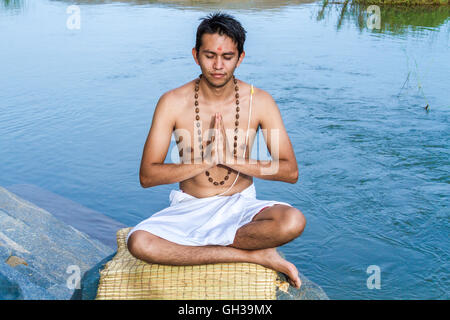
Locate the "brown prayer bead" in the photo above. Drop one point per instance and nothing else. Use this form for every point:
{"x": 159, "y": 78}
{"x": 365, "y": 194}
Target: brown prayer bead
{"x": 197, "y": 117}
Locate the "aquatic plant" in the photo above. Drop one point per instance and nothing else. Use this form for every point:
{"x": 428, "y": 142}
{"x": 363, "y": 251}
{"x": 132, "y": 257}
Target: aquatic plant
{"x": 394, "y": 19}
{"x": 11, "y": 4}
{"x": 403, "y": 2}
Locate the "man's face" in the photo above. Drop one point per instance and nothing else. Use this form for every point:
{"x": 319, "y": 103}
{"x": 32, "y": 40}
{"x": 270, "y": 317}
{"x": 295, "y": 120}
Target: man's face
{"x": 218, "y": 58}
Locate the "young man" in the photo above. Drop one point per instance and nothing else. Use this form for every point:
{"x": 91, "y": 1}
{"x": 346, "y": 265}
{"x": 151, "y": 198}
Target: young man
{"x": 215, "y": 216}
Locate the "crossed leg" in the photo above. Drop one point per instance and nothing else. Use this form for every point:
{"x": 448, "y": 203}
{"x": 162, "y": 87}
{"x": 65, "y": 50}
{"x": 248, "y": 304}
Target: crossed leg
{"x": 254, "y": 242}
{"x": 271, "y": 227}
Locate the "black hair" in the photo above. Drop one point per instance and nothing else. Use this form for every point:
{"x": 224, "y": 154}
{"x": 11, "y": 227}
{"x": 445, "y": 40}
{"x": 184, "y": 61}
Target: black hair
{"x": 221, "y": 23}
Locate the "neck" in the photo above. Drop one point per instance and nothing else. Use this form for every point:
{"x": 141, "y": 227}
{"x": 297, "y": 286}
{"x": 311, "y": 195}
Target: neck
{"x": 214, "y": 93}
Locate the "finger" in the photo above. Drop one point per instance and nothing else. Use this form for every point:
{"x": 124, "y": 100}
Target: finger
{"x": 218, "y": 129}
{"x": 216, "y": 124}
{"x": 222, "y": 126}
{"x": 221, "y": 122}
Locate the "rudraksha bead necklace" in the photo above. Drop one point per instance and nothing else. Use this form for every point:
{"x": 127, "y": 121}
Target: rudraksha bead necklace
{"x": 199, "y": 131}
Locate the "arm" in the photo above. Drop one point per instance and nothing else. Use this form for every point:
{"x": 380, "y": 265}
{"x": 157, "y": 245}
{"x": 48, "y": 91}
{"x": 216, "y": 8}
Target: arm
{"x": 283, "y": 166}
{"x": 153, "y": 170}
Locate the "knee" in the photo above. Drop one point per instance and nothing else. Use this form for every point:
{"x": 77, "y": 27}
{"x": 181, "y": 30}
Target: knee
{"x": 141, "y": 246}
{"x": 293, "y": 223}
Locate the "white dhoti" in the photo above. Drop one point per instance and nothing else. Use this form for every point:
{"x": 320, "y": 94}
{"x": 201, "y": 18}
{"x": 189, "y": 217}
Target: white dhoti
{"x": 204, "y": 221}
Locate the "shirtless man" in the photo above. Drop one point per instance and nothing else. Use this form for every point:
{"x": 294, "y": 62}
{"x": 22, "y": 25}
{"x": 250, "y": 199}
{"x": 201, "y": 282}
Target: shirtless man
{"x": 218, "y": 54}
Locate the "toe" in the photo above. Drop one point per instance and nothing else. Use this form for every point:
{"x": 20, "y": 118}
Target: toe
{"x": 298, "y": 283}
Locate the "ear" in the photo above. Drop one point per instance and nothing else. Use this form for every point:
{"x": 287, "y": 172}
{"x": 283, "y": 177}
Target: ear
{"x": 194, "y": 54}
{"x": 240, "y": 59}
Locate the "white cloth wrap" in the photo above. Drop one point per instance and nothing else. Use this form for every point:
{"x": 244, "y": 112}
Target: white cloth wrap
{"x": 204, "y": 221}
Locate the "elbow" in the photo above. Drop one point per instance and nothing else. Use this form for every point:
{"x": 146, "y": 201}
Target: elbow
{"x": 145, "y": 177}
{"x": 291, "y": 172}
{"x": 145, "y": 181}
{"x": 294, "y": 176}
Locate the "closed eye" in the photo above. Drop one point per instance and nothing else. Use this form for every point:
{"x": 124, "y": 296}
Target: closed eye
{"x": 225, "y": 56}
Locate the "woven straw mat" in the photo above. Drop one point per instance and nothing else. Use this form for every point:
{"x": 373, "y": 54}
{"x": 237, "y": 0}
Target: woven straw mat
{"x": 125, "y": 277}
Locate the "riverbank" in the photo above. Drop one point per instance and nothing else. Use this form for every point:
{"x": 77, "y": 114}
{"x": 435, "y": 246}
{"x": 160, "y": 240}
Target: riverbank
{"x": 403, "y": 2}
{"x": 41, "y": 258}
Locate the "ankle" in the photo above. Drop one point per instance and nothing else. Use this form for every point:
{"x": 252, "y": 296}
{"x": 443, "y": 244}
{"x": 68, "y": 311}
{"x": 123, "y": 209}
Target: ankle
{"x": 255, "y": 256}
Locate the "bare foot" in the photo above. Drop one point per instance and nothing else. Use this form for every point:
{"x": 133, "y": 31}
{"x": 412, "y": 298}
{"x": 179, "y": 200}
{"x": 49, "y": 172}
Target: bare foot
{"x": 271, "y": 259}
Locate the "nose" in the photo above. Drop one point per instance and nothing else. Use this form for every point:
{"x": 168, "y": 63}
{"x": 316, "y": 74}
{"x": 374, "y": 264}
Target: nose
{"x": 218, "y": 63}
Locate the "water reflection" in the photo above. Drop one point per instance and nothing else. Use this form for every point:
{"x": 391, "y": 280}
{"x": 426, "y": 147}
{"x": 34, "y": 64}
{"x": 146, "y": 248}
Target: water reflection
{"x": 11, "y": 4}
{"x": 394, "y": 19}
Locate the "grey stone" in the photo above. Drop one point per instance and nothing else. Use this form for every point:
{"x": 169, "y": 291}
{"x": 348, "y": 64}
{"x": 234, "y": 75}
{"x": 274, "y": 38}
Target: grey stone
{"x": 49, "y": 248}
{"x": 9, "y": 290}
{"x": 94, "y": 224}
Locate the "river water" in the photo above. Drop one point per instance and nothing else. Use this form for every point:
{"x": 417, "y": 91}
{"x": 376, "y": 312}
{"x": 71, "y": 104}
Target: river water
{"x": 76, "y": 106}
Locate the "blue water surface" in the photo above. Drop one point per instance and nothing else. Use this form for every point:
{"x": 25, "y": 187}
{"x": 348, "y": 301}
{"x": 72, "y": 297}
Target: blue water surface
{"x": 76, "y": 106}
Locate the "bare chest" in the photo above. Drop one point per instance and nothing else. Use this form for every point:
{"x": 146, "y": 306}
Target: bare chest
{"x": 194, "y": 127}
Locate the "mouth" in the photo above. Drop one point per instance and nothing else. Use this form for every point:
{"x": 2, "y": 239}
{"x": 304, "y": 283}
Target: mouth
{"x": 218, "y": 75}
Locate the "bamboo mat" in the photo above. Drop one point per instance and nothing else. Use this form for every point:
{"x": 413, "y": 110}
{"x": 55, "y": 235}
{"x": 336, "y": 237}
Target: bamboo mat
{"x": 125, "y": 277}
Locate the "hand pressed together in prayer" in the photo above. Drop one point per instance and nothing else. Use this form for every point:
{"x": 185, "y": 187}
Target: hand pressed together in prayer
{"x": 218, "y": 151}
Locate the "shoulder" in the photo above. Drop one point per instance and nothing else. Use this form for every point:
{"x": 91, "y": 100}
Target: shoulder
{"x": 263, "y": 98}
{"x": 177, "y": 96}
{"x": 173, "y": 102}
{"x": 264, "y": 105}
{"x": 266, "y": 109}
